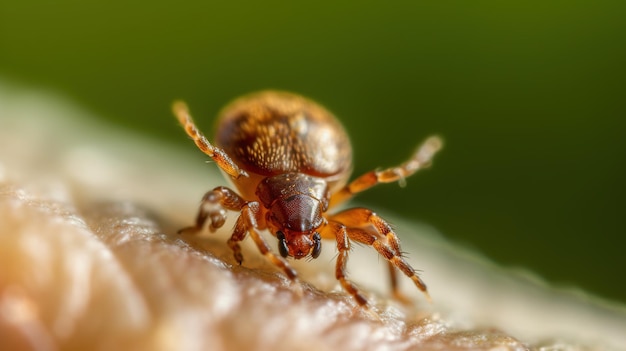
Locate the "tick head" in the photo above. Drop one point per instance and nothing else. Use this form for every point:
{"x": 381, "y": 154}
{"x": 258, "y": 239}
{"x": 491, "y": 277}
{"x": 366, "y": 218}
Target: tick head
{"x": 296, "y": 220}
{"x": 295, "y": 204}
{"x": 299, "y": 245}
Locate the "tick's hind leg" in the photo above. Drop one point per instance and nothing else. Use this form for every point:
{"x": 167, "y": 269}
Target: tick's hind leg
{"x": 213, "y": 207}
{"x": 366, "y": 227}
{"x": 420, "y": 159}
{"x": 218, "y": 155}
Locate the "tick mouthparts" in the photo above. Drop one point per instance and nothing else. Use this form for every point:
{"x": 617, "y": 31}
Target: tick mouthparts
{"x": 282, "y": 244}
{"x": 317, "y": 248}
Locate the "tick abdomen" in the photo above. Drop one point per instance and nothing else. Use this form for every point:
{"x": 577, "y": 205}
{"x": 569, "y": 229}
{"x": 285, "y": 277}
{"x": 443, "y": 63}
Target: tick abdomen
{"x": 275, "y": 133}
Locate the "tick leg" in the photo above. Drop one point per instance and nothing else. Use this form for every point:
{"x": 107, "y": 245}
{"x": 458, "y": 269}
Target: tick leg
{"x": 382, "y": 239}
{"x": 393, "y": 282}
{"x": 421, "y": 159}
{"x": 218, "y": 155}
{"x": 213, "y": 207}
{"x": 340, "y": 234}
{"x": 238, "y": 235}
{"x": 362, "y": 217}
{"x": 250, "y": 212}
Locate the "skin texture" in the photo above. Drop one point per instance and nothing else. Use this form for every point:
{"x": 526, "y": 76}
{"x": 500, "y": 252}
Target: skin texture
{"x": 89, "y": 259}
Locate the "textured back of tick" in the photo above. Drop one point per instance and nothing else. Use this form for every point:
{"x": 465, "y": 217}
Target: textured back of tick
{"x": 272, "y": 133}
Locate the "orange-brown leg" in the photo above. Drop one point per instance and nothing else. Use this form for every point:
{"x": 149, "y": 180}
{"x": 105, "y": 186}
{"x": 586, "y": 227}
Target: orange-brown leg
{"x": 339, "y": 233}
{"x": 213, "y": 207}
{"x": 218, "y": 155}
{"x": 395, "y": 287}
{"x": 356, "y": 218}
{"x": 251, "y": 213}
{"x": 420, "y": 159}
{"x": 383, "y": 240}
{"x": 239, "y": 233}
{"x": 363, "y": 217}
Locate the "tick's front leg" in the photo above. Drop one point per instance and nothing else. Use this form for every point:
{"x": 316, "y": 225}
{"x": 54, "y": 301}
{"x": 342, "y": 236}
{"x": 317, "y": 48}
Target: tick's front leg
{"x": 366, "y": 227}
{"x": 338, "y": 231}
{"x": 213, "y": 207}
{"x": 250, "y": 215}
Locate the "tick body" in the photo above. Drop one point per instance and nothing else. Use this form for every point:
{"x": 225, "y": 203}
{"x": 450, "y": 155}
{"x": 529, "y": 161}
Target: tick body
{"x": 290, "y": 161}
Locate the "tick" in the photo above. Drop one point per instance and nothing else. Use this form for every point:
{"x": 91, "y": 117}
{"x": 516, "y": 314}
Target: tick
{"x": 290, "y": 161}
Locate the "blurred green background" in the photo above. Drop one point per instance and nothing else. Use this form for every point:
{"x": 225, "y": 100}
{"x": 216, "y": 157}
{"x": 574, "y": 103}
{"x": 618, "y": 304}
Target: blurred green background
{"x": 529, "y": 96}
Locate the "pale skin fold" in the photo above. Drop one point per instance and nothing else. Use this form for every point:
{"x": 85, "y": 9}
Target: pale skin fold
{"x": 90, "y": 259}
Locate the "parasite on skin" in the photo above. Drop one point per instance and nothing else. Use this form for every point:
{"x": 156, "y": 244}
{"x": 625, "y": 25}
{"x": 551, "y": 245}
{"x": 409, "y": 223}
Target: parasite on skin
{"x": 290, "y": 161}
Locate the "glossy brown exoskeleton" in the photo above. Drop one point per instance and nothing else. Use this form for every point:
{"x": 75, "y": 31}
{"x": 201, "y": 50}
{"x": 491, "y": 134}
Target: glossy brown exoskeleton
{"x": 290, "y": 160}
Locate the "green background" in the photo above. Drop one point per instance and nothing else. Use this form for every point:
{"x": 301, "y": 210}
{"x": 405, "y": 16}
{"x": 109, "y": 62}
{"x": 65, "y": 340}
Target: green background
{"x": 529, "y": 96}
